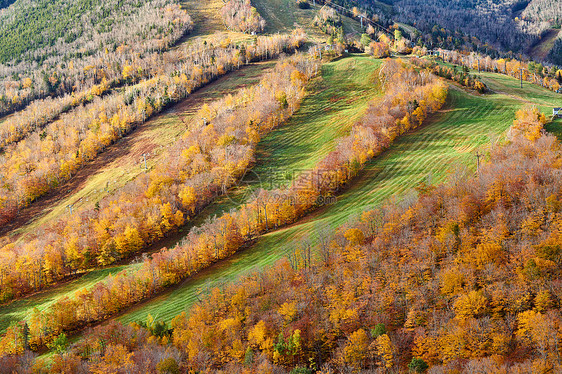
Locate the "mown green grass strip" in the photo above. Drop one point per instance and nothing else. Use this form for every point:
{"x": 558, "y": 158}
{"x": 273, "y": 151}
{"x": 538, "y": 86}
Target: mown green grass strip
{"x": 448, "y": 142}
{"x": 21, "y": 308}
{"x": 339, "y": 98}
{"x": 285, "y": 15}
{"x": 336, "y": 101}
{"x": 534, "y": 94}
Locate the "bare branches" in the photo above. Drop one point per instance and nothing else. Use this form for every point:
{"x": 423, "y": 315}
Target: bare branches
{"x": 241, "y": 16}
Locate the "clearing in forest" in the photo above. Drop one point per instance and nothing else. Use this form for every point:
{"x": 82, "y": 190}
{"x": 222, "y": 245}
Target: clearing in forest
{"x": 541, "y": 50}
{"x": 285, "y": 15}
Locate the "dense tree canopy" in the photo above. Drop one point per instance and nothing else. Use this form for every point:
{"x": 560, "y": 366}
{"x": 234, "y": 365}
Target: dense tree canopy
{"x": 544, "y": 10}
{"x": 463, "y": 277}
{"x": 494, "y": 22}
{"x": 220, "y": 237}
{"x": 57, "y": 47}
{"x": 205, "y": 160}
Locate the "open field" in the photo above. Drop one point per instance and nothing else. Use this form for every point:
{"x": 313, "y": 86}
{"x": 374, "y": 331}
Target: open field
{"x": 205, "y": 15}
{"x": 285, "y": 15}
{"x": 208, "y": 24}
{"x": 530, "y": 93}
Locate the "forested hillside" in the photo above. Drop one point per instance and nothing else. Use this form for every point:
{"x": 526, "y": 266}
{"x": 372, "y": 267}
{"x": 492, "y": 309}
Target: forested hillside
{"x": 555, "y": 54}
{"x": 544, "y": 10}
{"x": 219, "y": 238}
{"x": 279, "y": 186}
{"x": 462, "y": 278}
{"x": 199, "y": 161}
{"x": 58, "y": 47}
{"x": 508, "y": 25}
{"x": 551, "y": 12}
{"x": 491, "y": 21}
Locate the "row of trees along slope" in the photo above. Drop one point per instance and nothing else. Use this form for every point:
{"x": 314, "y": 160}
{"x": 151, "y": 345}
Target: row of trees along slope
{"x": 410, "y": 97}
{"x": 93, "y": 73}
{"x": 462, "y": 278}
{"x": 240, "y": 15}
{"x": 45, "y": 159}
{"x": 46, "y": 51}
{"x": 549, "y": 77}
{"x": 210, "y": 156}
{"x": 94, "y": 70}
{"x": 465, "y": 278}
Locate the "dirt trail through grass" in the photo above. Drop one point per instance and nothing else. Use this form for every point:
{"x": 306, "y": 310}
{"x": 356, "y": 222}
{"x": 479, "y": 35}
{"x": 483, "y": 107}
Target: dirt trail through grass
{"x": 121, "y": 162}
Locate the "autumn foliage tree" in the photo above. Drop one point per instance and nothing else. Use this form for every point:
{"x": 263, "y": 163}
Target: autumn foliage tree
{"x": 462, "y": 77}
{"x": 329, "y": 21}
{"x": 225, "y": 235}
{"x": 49, "y": 156}
{"x": 461, "y": 278}
{"x": 241, "y": 16}
{"x": 529, "y": 123}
